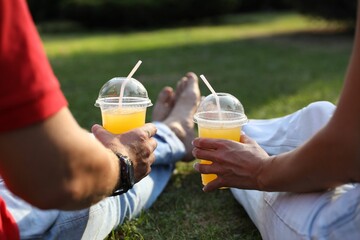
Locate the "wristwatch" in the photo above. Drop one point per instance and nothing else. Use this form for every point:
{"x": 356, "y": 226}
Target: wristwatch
{"x": 126, "y": 179}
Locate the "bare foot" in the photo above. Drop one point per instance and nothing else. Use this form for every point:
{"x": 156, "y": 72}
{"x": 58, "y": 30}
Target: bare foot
{"x": 180, "y": 119}
{"x": 164, "y": 103}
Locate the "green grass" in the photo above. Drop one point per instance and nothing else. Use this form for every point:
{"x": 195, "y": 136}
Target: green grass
{"x": 274, "y": 63}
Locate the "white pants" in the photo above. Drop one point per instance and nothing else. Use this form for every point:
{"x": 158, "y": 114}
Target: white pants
{"x": 332, "y": 214}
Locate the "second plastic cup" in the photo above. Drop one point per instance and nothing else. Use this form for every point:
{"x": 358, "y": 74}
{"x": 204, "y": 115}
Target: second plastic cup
{"x": 223, "y": 124}
{"x": 131, "y": 113}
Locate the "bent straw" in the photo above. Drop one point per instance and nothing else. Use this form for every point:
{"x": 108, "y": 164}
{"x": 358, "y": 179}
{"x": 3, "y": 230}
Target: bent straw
{"x": 126, "y": 81}
{"x": 214, "y": 93}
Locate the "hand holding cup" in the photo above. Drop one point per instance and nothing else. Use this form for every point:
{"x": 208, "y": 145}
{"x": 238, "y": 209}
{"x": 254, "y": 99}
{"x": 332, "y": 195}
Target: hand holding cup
{"x": 138, "y": 144}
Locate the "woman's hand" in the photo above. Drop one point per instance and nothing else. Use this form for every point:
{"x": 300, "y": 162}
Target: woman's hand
{"x": 138, "y": 144}
{"x": 237, "y": 164}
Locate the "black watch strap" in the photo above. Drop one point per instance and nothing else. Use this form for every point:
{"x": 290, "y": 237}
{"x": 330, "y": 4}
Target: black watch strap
{"x": 126, "y": 179}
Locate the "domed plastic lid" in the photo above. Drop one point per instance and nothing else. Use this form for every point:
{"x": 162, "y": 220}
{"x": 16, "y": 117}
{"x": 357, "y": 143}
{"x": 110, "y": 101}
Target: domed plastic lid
{"x": 135, "y": 94}
{"x": 231, "y": 111}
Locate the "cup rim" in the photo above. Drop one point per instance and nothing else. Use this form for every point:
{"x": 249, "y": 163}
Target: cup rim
{"x": 240, "y": 120}
{"x": 129, "y": 101}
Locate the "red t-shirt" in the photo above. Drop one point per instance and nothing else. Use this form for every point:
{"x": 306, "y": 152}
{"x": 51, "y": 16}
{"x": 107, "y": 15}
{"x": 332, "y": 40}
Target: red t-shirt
{"x": 29, "y": 89}
{"x": 8, "y": 227}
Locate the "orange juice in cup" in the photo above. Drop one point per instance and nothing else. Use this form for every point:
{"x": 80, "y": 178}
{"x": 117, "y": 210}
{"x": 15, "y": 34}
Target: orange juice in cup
{"x": 121, "y": 116}
{"x": 221, "y": 118}
{"x": 121, "y": 120}
{"x": 231, "y": 133}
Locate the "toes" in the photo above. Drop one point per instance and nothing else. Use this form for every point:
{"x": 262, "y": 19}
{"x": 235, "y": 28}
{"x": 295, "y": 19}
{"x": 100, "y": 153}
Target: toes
{"x": 165, "y": 95}
{"x": 193, "y": 86}
{"x": 183, "y": 84}
{"x": 180, "y": 87}
{"x": 163, "y": 105}
{"x": 192, "y": 75}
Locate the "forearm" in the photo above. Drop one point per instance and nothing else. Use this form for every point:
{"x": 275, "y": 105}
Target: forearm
{"x": 59, "y": 164}
{"x": 91, "y": 173}
{"x": 323, "y": 162}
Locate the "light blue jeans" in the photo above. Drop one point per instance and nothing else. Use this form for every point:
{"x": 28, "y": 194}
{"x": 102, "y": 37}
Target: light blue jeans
{"x": 334, "y": 214}
{"x": 99, "y": 220}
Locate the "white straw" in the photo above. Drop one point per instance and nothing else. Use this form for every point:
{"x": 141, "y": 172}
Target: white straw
{"x": 134, "y": 69}
{"x": 126, "y": 81}
{"x": 214, "y": 93}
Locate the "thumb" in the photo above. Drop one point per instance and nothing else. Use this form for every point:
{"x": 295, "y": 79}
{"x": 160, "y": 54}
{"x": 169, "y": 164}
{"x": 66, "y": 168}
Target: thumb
{"x": 245, "y": 139}
{"x": 100, "y": 133}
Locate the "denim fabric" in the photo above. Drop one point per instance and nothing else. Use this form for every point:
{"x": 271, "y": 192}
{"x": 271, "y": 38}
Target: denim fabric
{"x": 97, "y": 221}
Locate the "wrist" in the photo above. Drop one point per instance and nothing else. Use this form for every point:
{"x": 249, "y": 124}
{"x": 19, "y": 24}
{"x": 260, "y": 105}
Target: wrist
{"x": 262, "y": 176}
{"x": 126, "y": 178}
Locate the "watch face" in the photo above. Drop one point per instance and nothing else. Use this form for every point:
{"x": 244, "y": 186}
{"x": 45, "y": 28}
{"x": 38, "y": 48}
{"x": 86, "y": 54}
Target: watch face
{"x": 127, "y": 178}
{"x": 130, "y": 171}
{"x": 131, "y": 175}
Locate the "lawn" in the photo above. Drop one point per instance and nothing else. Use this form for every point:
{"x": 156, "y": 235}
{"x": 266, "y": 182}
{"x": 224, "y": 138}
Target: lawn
{"x": 274, "y": 63}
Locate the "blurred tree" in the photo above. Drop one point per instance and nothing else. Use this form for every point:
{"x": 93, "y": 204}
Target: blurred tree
{"x": 338, "y": 10}
{"x": 259, "y": 5}
{"x": 144, "y": 13}
{"x": 130, "y": 13}
{"x": 42, "y": 10}
{"x": 150, "y": 13}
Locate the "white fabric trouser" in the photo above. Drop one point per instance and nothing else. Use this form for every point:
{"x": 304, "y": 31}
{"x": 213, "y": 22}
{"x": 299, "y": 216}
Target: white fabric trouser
{"x": 333, "y": 214}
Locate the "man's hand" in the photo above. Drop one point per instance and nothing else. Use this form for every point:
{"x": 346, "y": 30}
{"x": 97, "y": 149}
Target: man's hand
{"x": 237, "y": 164}
{"x": 137, "y": 144}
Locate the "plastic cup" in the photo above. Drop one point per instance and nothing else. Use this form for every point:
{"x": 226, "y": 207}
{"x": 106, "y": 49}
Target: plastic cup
{"x": 225, "y": 124}
{"x": 131, "y": 113}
